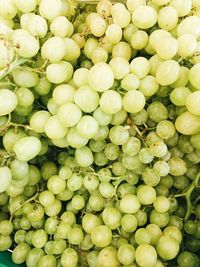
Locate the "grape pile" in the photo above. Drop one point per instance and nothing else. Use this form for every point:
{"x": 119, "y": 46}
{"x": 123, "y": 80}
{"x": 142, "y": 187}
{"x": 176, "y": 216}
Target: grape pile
{"x": 100, "y": 133}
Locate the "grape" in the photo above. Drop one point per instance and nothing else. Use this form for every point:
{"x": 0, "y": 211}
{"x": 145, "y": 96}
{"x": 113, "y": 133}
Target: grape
{"x": 101, "y": 236}
{"x": 5, "y": 242}
{"x": 122, "y": 49}
{"x": 167, "y": 72}
{"x": 86, "y": 98}
{"x": 146, "y": 194}
{"x": 59, "y": 72}
{"x": 120, "y": 15}
{"x": 129, "y": 204}
{"x": 150, "y": 255}
{"x": 34, "y": 256}
{"x": 6, "y": 177}
{"x": 144, "y": 17}
{"x": 174, "y": 232}
{"x": 167, "y": 18}
{"x": 110, "y": 102}
{"x": 126, "y": 254}
{"x": 69, "y": 257}
{"x": 158, "y": 218}
{"x": 187, "y": 123}
{"x": 87, "y": 127}
{"x": 111, "y": 217}
{"x": 113, "y": 33}
{"x": 167, "y": 247}
{"x": 133, "y": 101}
{"x": 157, "y": 233}
{"x": 20, "y": 253}
{"x": 11, "y": 103}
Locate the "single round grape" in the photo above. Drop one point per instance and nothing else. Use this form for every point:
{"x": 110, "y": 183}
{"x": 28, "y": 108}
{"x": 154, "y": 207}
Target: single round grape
{"x": 101, "y": 236}
{"x": 111, "y": 217}
{"x": 6, "y": 177}
{"x": 87, "y": 127}
{"x": 158, "y": 218}
{"x": 129, "y": 223}
{"x": 129, "y": 204}
{"x": 5, "y": 242}
{"x": 9, "y": 105}
{"x": 174, "y": 232}
{"x": 69, "y": 257}
{"x": 126, "y": 254}
{"x": 108, "y": 257}
{"x": 161, "y": 204}
{"x": 156, "y": 233}
{"x": 167, "y": 72}
{"x": 146, "y": 194}
{"x": 150, "y": 255}
{"x": 133, "y": 101}
{"x": 120, "y": 67}
{"x": 142, "y": 236}
{"x": 110, "y": 102}
{"x": 167, "y": 247}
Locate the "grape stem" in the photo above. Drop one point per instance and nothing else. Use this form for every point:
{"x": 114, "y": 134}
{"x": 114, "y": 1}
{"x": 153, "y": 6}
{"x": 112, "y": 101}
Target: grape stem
{"x": 187, "y": 195}
{"x": 15, "y": 64}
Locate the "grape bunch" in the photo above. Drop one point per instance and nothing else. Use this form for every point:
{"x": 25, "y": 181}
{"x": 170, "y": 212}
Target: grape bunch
{"x": 100, "y": 133}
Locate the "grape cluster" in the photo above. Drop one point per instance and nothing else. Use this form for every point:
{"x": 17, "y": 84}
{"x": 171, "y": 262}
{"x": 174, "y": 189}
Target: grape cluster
{"x": 100, "y": 133}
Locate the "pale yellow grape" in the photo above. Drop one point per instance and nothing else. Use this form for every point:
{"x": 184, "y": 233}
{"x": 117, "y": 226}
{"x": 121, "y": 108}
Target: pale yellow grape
{"x": 54, "y": 129}
{"x": 90, "y": 17}
{"x": 129, "y": 204}
{"x": 110, "y": 102}
{"x": 148, "y": 86}
{"x": 188, "y": 124}
{"x": 161, "y": 204}
{"x": 97, "y": 26}
{"x": 167, "y": 18}
{"x": 133, "y": 101}
{"x": 113, "y": 33}
{"x": 25, "y": 6}
{"x": 167, "y": 47}
{"x": 49, "y": 52}
{"x": 99, "y": 54}
{"x": 187, "y": 45}
{"x": 25, "y": 44}
{"x": 80, "y": 77}
{"x": 120, "y": 67}
{"x": 156, "y": 36}
{"x": 154, "y": 6}
{"x": 183, "y": 8}
{"x": 65, "y": 8}
{"x": 74, "y": 139}
{"x": 24, "y": 20}
{"x": 25, "y": 96}
{"x": 95, "y": 75}
{"x": 131, "y": 5}
{"x": 139, "y": 40}
{"x": 35, "y": 25}
{"x": 69, "y": 114}
{"x": 38, "y": 120}
{"x": 72, "y": 50}
{"x": 6, "y": 178}
{"x": 179, "y": 95}
{"x": 175, "y": 232}
{"x": 52, "y": 107}
{"x": 144, "y": 17}
{"x": 193, "y": 103}
{"x": 60, "y": 26}
{"x": 129, "y": 31}
{"x": 146, "y": 255}
{"x": 161, "y": 2}
{"x": 140, "y": 67}
{"x": 104, "y": 8}
{"x": 183, "y": 78}
{"x": 8, "y": 9}
{"x": 87, "y": 127}
{"x": 63, "y": 94}
{"x": 122, "y": 49}
{"x": 59, "y": 72}
{"x": 89, "y": 46}
{"x": 190, "y": 25}
{"x": 5, "y": 29}
{"x": 50, "y": 9}
{"x": 194, "y": 76}
{"x": 79, "y": 39}
{"x": 130, "y": 82}
{"x": 167, "y": 72}
{"x": 25, "y": 77}
{"x": 121, "y": 16}
{"x": 70, "y": 29}
{"x": 154, "y": 62}
{"x": 27, "y": 148}
{"x": 8, "y": 101}
{"x": 7, "y": 54}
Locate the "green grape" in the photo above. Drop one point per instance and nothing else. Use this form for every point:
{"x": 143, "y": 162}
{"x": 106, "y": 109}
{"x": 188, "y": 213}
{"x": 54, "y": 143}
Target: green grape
{"x": 112, "y": 151}
{"x": 142, "y": 236}
{"x": 146, "y": 194}
{"x": 20, "y": 253}
{"x": 5, "y": 242}
{"x": 174, "y": 232}
{"x": 39, "y": 238}
{"x": 33, "y": 257}
{"x": 47, "y": 261}
{"x": 84, "y": 156}
{"x": 126, "y": 254}
{"x": 69, "y": 257}
{"x": 92, "y": 258}
{"x": 50, "y": 226}
{"x": 111, "y": 217}
{"x": 90, "y": 221}
{"x": 54, "y": 209}
{"x": 110, "y": 102}
{"x": 11, "y": 103}
{"x": 108, "y": 257}
{"x": 90, "y": 182}
{"x": 129, "y": 204}
{"x": 167, "y": 247}
{"x": 158, "y": 218}
{"x": 75, "y": 236}
{"x": 6, "y": 177}
{"x": 150, "y": 255}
